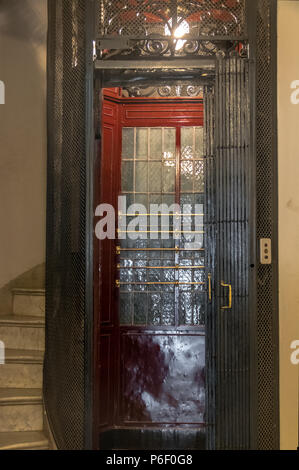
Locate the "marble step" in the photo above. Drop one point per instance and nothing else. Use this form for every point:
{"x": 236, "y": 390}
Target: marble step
{"x": 21, "y": 410}
{"x": 22, "y": 369}
{"x": 23, "y": 441}
{"x": 28, "y": 302}
{"x": 20, "y": 396}
{"x": 22, "y": 332}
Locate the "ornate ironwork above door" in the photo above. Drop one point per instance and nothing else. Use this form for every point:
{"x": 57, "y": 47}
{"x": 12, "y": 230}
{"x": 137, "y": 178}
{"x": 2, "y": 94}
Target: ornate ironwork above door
{"x": 188, "y": 91}
{"x": 170, "y": 28}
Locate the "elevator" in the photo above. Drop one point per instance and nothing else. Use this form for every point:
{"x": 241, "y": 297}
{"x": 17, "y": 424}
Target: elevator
{"x": 164, "y": 335}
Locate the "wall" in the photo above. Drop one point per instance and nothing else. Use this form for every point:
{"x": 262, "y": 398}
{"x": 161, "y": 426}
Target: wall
{"x": 23, "y": 26}
{"x": 288, "y": 127}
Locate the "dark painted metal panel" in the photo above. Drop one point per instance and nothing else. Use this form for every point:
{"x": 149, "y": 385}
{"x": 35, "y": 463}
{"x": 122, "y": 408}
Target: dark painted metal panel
{"x": 228, "y": 190}
{"x": 210, "y": 188}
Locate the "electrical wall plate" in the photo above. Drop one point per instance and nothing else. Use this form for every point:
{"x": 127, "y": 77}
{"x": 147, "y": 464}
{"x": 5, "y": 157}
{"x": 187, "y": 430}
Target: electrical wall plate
{"x": 266, "y": 251}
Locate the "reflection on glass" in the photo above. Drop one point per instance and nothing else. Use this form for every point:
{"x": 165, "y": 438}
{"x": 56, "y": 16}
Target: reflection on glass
{"x": 187, "y": 176}
{"x": 169, "y": 144}
{"x": 187, "y": 139}
{"x": 169, "y": 177}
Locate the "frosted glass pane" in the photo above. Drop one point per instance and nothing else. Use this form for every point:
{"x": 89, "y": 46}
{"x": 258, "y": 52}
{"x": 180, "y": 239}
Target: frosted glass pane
{"x": 128, "y": 143}
{"x": 125, "y": 314}
{"x": 186, "y": 308}
{"x": 199, "y": 142}
{"x": 188, "y": 201}
{"x": 155, "y": 303}
{"x": 141, "y": 143}
{"x": 127, "y": 176}
{"x": 168, "y": 199}
{"x": 187, "y": 176}
{"x": 168, "y": 309}
{"x": 169, "y": 144}
{"x": 168, "y": 275}
{"x": 187, "y": 142}
{"x": 127, "y": 275}
{"x": 142, "y": 199}
{"x": 198, "y": 309}
{"x": 140, "y": 309}
{"x": 169, "y": 177}
{"x": 187, "y": 136}
{"x": 199, "y": 176}
{"x": 155, "y": 177}
{"x": 155, "y": 309}
{"x": 156, "y": 143}
{"x": 141, "y": 177}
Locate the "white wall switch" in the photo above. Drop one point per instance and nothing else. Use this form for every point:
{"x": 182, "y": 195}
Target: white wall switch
{"x": 266, "y": 251}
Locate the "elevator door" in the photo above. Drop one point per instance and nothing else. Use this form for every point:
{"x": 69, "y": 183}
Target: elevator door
{"x": 153, "y": 280}
{"x": 161, "y": 284}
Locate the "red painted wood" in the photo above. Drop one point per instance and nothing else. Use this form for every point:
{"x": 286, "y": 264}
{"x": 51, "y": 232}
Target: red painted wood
{"x": 112, "y": 93}
{"x": 155, "y": 114}
{"x": 138, "y": 368}
{"x": 110, "y": 148}
{"x": 107, "y": 357}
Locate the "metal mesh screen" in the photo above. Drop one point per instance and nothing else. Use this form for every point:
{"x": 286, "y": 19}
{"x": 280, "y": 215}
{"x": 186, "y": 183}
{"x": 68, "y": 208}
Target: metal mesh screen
{"x": 64, "y": 379}
{"x": 267, "y": 320}
{"x": 156, "y": 27}
{"x": 205, "y": 17}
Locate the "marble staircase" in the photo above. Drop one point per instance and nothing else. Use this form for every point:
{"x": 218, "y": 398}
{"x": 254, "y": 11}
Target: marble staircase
{"x": 21, "y": 404}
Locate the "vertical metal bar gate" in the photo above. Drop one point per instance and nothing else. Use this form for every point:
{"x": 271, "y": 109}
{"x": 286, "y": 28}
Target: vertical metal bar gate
{"x": 228, "y": 205}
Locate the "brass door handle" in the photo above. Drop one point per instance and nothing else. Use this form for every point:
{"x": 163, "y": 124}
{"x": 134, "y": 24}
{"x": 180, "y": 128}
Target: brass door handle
{"x": 229, "y": 306}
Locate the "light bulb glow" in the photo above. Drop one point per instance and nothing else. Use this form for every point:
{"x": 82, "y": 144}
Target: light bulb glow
{"x": 180, "y": 31}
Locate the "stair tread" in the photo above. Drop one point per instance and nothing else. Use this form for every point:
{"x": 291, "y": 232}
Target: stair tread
{"x": 20, "y": 291}
{"x": 23, "y": 440}
{"x": 21, "y": 320}
{"x": 22, "y": 356}
{"x": 20, "y": 395}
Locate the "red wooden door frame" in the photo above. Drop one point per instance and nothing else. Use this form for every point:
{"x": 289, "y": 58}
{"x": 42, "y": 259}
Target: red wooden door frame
{"x": 116, "y": 114}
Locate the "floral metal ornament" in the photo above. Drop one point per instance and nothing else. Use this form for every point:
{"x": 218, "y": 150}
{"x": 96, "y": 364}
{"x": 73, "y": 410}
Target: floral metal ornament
{"x": 171, "y": 28}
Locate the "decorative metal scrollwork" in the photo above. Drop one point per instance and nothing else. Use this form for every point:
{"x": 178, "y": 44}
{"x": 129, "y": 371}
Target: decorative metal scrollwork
{"x": 165, "y": 91}
{"x": 172, "y": 28}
